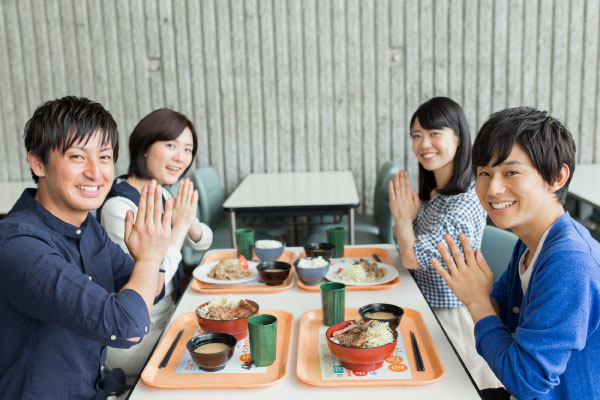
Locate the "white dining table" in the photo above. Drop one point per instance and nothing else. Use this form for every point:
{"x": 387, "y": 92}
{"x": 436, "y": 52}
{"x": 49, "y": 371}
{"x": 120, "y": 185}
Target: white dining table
{"x": 455, "y": 384}
{"x": 10, "y": 193}
{"x": 294, "y": 194}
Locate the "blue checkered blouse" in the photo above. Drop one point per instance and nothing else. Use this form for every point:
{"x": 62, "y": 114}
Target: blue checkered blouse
{"x": 445, "y": 214}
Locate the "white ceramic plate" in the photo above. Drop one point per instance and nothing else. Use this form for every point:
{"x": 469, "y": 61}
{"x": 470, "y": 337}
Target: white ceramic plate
{"x": 391, "y": 274}
{"x": 201, "y": 273}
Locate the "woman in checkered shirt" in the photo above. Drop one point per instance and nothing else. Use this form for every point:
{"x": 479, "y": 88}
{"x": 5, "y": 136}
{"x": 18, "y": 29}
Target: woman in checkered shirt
{"x": 446, "y": 204}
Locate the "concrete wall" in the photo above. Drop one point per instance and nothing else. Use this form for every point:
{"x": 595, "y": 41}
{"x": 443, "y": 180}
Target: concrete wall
{"x": 298, "y": 85}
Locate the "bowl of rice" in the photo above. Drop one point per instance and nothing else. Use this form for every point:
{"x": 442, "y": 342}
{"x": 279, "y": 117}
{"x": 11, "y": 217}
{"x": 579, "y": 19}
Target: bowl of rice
{"x": 226, "y": 314}
{"x": 268, "y": 250}
{"x": 311, "y": 270}
{"x": 366, "y": 345}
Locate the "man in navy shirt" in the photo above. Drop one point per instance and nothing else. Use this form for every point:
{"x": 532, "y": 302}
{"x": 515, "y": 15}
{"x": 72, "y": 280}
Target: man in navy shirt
{"x": 67, "y": 291}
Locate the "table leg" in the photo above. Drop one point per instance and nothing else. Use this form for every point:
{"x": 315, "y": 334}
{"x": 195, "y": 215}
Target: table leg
{"x": 351, "y": 224}
{"x": 232, "y": 227}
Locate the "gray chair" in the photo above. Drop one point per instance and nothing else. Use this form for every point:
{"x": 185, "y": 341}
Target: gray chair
{"x": 376, "y": 228}
{"x": 497, "y": 247}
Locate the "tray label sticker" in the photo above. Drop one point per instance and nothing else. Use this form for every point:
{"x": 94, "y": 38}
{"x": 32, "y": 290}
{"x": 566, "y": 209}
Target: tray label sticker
{"x": 239, "y": 363}
{"x": 395, "y": 366}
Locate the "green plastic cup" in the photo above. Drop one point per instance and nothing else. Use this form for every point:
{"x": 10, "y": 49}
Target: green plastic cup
{"x": 262, "y": 330}
{"x": 333, "y": 299}
{"x": 244, "y": 240}
{"x": 336, "y": 235}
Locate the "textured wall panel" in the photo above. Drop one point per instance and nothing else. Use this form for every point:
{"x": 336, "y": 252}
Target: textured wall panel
{"x": 299, "y": 85}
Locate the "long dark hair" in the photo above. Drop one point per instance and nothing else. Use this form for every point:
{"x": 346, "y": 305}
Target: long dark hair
{"x": 438, "y": 113}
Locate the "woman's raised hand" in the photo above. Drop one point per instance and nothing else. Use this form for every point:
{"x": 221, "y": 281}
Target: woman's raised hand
{"x": 148, "y": 237}
{"x": 186, "y": 205}
{"x": 404, "y": 202}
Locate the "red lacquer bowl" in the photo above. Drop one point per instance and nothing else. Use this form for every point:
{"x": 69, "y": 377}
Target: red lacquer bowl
{"x": 357, "y": 359}
{"x": 234, "y": 327}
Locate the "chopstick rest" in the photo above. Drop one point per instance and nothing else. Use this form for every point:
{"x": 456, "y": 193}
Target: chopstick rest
{"x": 420, "y": 365}
{"x": 167, "y": 356}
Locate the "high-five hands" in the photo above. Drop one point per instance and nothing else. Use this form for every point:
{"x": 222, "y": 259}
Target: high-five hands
{"x": 404, "y": 202}
{"x": 469, "y": 277}
{"x": 148, "y": 238}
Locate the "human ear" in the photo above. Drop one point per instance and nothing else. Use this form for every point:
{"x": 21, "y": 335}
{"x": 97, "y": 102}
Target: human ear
{"x": 36, "y": 164}
{"x": 561, "y": 178}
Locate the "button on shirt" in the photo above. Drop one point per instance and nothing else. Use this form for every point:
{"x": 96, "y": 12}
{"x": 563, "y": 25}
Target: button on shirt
{"x": 58, "y": 304}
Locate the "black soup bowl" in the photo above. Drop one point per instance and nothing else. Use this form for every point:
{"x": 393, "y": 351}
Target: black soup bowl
{"x": 398, "y": 312}
{"x": 324, "y": 250}
{"x": 212, "y": 361}
{"x": 274, "y": 272}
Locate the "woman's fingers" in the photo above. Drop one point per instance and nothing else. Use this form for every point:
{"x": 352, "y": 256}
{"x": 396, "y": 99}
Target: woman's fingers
{"x": 166, "y": 218}
{"x": 391, "y": 191}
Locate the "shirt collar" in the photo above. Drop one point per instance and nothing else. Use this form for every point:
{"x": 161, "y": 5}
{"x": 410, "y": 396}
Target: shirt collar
{"x": 55, "y": 223}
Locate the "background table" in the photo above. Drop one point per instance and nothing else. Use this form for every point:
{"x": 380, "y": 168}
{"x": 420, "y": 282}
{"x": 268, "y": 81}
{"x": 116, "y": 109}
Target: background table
{"x": 455, "y": 384}
{"x": 10, "y": 193}
{"x": 294, "y": 194}
{"x": 585, "y": 189}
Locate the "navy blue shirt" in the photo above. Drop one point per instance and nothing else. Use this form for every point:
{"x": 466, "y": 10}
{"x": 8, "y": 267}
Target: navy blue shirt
{"x": 58, "y": 304}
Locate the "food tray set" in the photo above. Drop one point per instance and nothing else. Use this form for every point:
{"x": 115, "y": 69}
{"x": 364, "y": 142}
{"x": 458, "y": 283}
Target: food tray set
{"x": 254, "y": 287}
{"x": 169, "y": 378}
{"x": 308, "y": 368}
{"x": 365, "y": 252}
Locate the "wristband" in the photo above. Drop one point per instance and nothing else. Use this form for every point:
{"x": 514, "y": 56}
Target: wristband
{"x": 162, "y": 270}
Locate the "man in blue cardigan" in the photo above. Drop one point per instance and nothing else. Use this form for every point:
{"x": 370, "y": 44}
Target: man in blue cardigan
{"x": 538, "y": 326}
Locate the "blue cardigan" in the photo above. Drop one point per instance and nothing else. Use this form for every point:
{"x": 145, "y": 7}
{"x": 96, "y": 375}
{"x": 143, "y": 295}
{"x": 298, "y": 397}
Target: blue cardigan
{"x": 546, "y": 344}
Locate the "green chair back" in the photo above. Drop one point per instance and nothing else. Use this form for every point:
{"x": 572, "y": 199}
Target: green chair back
{"x": 383, "y": 216}
{"x": 210, "y": 195}
{"x": 497, "y": 247}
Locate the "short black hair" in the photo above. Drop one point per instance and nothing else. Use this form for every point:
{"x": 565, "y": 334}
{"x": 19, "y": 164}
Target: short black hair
{"x": 438, "y": 113}
{"x": 58, "y": 124}
{"x": 160, "y": 125}
{"x": 547, "y": 142}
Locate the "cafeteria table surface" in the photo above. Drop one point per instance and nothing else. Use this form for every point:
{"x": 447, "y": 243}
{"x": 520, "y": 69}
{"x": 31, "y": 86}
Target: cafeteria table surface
{"x": 455, "y": 384}
{"x": 294, "y": 194}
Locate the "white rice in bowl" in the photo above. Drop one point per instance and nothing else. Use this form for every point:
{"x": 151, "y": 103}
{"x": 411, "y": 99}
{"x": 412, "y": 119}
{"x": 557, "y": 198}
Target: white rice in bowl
{"x": 310, "y": 263}
{"x": 268, "y": 244}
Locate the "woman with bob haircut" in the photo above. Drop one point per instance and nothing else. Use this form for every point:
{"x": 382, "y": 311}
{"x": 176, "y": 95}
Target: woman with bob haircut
{"x": 446, "y": 203}
{"x": 161, "y": 147}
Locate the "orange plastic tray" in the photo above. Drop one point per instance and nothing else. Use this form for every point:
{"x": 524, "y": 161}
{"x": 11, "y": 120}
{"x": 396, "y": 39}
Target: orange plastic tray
{"x": 308, "y": 369}
{"x": 354, "y": 253}
{"x": 166, "y": 378}
{"x": 203, "y": 287}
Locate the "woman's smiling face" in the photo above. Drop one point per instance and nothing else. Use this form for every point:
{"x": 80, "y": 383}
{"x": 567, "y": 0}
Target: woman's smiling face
{"x": 435, "y": 148}
{"x": 166, "y": 160}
